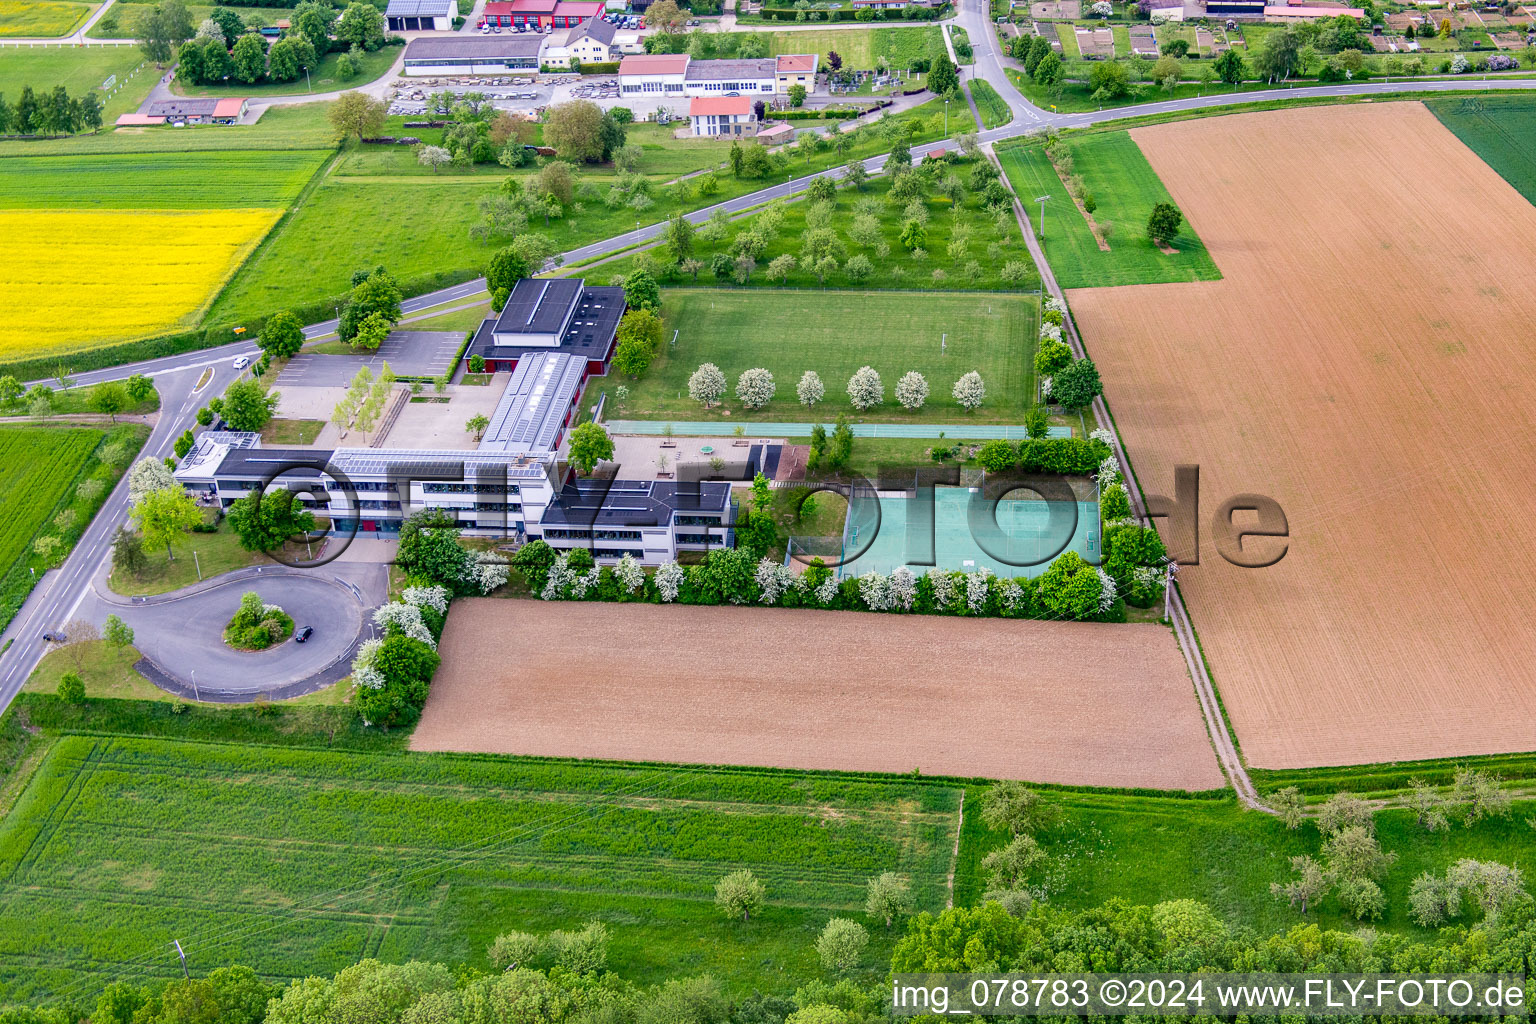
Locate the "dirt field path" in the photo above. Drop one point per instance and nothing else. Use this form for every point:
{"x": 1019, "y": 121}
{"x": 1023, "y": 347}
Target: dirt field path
{"x": 1080, "y": 703}
{"x": 1366, "y": 361}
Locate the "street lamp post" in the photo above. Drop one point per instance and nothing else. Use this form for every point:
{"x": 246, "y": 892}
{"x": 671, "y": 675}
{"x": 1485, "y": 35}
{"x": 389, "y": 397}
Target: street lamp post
{"x": 1042, "y": 200}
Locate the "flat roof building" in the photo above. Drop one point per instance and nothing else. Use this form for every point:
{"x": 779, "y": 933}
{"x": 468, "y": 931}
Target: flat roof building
{"x": 421, "y": 15}
{"x": 726, "y": 77}
{"x": 198, "y": 111}
{"x": 537, "y": 405}
{"x": 540, "y": 15}
{"x": 471, "y": 55}
{"x": 562, "y": 314}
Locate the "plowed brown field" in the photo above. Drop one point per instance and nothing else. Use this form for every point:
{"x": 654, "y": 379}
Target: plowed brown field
{"x": 1082, "y": 703}
{"x": 1368, "y": 360}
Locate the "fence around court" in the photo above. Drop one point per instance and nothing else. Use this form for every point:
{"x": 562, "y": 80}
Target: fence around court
{"x": 950, "y": 431}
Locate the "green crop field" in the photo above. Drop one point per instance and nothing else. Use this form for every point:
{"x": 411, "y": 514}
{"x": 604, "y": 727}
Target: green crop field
{"x": 994, "y": 112}
{"x": 835, "y": 333}
{"x": 300, "y": 862}
{"x": 79, "y": 69}
{"x": 419, "y": 225}
{"x": 1500, "y": 129}
{"x": 977, "y": 265}
{"x": 1115, "y": 172}
{"x": 1152, "y": 849}
{"x": 40, "y": 18}
{"x": 140, "y": 181}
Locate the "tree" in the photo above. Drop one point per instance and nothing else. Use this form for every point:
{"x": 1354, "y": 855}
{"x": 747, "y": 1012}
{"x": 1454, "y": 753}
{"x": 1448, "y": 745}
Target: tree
{"x": 127, "y": 552}
{"x": 840, "y": 446}
{"x": 357, "y": 115}
{"x": 1014, "y": 808}
{"x": 780, "y": 268}
{"x": 1109, "y": 80}
{"x": 641, "y": 291}
{"x": 1280, "y": 55}
{"x": 575, "y": 129}
{"x": 314, "y": 19}
{"x": 810, "y": 390}
{"x": 865, "y": 389}
{"x": 887, "y": 897}
{"x": 755, "y": 388}
{"x": 248, "y": 405}
{"x": 71, "y": 688}
{"x": 738, "y": 894}
{"x": 164, "y": 515}
{"x": 590, "y": 444}
{"x": 855, "y": 174}
{"x": 509, "y": 265}
{"x": 147, "y": 475}
{"x": 1288, "y": 803}
{"x": 1480, "y": 795}
{"x": 1308, "y": 885}
{"x": 476, "y": 425}
{"x": 1231, "y": 67}
{"x": 912, "y": 390}
{"x": 901, "y": 156}
{"x": 665, "y": 15}
{"x": 10, "y": 389}
{"x": 969, "y": 391}
{"x": 639, "y": 338}
{"x": 361, "y": 25}
{"x": 1168, "y": 67}
{"x": 1049, "y": 70}
{"x": 1163, "y": 223}
{"x": 679, "y": 238}
{"x": 117, "y": 633}
{"x": 1007, "y": 867}
{"x": 434, "y": 157}
{"x": 1078, "y": 385}
{"x": 374, "y": 291}
{"x": 109, "y": 397}
{"x": 162, "y": 29}
{"x": 942, "y": 75}
{"x": 841, "y": 945}
{"x": 282, "y": 335}
{"x": 250, "y": 58}
{"x": 371, "y": 333}
{"x": 262, "y": 522}
{"x": 1070, "y": 588}
{"x": 706, "y": 385}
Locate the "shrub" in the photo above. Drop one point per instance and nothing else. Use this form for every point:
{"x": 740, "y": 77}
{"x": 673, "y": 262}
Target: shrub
{"x": 71, "y": 689}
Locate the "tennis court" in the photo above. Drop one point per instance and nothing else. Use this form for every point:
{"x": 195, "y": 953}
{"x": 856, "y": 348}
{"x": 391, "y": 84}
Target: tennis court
{"x": 961, "y": 530}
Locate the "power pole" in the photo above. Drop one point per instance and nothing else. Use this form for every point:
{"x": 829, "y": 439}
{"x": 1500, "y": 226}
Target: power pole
{"x": 1042, "y": 200}
{"x": 183, "y": 954}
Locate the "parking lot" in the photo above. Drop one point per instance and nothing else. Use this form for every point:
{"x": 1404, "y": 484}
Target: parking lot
{"x": 409, "y": 354}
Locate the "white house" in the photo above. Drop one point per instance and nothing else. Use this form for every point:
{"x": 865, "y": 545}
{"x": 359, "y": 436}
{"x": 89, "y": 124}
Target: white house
{"x": 722, "y": 116}
{"x": 653, "y": 74}
{"x": 592, "y": 42}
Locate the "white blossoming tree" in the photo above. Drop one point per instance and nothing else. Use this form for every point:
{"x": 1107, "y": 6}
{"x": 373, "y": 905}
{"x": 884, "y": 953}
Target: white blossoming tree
{"x": 706, "y": 385}
{"x": 903, "y": 588}
{"x": 865, "y": 388}
{"x": 669, "y": 580}
{"x": 1109, "y": 471}
{"x": 810, "y": 390}
{"x": 560, "y": 578}
{"x": 434, "y": 597}
{"x": 363, "y": 671}
{"x": 405, "y": 618}
{"x": 944, "y": 590}
{"x": 977, "y": 587}
{"x": 489, "y": 571}
{"x": 1106, "y": 590}
{"x": 585, "y": 581}
{"x": 1045, "y": 387}
{"x": 969, "y": 391}
{"x": 774, "y": 580}
{"x": 1013, "y": 596}
{"x": 875, "y": 591}
{"x": 755, "y": 388}
{"x": 826, "y": 590}
{"x": 912, "y": 390}
{"x": 1050, "y": 330}
{"x": 629, "y": 574}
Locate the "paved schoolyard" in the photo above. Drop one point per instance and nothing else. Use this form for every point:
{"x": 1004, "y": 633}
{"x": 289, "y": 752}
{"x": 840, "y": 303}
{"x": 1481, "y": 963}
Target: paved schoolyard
{"x": 409, "y": 354}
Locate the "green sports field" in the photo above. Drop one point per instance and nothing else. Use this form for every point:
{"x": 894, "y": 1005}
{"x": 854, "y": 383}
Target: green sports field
{"x": 1118, "y": 175}
{"x": 150, "y": 181}
{"x": 79, "y": 69}
{"x": 1500, "y": 129}
{"x": 835, "y": 333}
{"x": 300, "y": 862}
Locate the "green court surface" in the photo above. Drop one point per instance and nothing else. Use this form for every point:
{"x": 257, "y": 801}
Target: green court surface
{"x": 962, "y": 530}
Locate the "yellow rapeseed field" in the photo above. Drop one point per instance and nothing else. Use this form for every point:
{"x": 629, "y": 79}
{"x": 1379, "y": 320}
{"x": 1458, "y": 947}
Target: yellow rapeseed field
{"x": 76, "y": 279}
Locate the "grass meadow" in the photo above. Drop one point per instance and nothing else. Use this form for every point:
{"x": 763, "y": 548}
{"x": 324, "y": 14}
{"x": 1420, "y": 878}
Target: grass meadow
{"x": 861, "y": 47}
{"x": 40, "y": 18}
{"x": 323, "y": 77}
{"x": 1126, "y": 187}
{"x": 994, "y": 112}
{"x": 1500, "y": 129}
{"x": 157, "y": 181}
{"x": 55, "y": 480}
{"x": 79, "y": 69}
{"x": 835, "y": 333}
{"x": 976, "y": 265}
{"x": 307, "y": 860}
{"x": 373, "y": 210}
{"x": 296, "y": 127}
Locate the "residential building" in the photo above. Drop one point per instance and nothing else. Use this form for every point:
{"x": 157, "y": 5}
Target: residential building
{"x": 421, "y": 15}
{"x": 1309, "y": 13}
{"x": 797, "y": 69}
{"x": 540, "y": 15}
{"x": 591, "y": 42}
{"x": 722, "y": 116}
{"x": 198, "y": 111}
{"x": 461, "y": 54}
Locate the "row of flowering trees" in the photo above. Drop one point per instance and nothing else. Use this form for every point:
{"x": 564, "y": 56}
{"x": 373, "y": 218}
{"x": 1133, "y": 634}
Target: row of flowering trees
{"x": 756, "y": 387}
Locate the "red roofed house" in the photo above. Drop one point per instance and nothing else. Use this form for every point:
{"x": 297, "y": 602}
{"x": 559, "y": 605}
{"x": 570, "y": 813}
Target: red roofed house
{"x": 653, "y": 74}
{"x": 540, "y": 15}
{"x": 797, "y": 69}
{"x": 722, "y": 116}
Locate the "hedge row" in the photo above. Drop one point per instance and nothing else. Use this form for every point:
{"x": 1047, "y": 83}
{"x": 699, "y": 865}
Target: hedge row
{"x": 848, "y": 14}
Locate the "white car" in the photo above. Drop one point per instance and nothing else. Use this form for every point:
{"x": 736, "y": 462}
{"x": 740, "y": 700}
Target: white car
{"x": 241, "y": 362}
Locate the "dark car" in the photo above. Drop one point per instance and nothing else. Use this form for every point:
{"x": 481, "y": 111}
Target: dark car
{"x": 54, "y": 638}
{"x": 303, "y": 634}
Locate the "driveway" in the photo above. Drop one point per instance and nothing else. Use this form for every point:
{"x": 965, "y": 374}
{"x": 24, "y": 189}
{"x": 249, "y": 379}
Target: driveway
{"x": 185, "y": 630}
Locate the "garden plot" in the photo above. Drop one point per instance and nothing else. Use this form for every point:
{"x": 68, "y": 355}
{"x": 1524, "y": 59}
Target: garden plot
{"x": 1397, "y": 625}
{"x": 1096, "y": 43}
